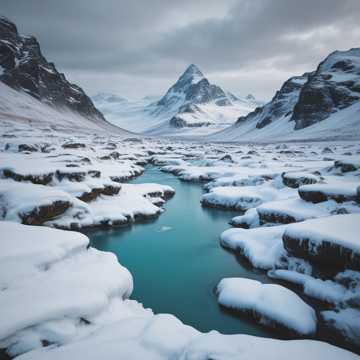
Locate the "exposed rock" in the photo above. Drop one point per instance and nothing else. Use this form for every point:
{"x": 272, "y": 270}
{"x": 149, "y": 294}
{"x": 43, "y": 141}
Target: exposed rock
{"x": 42, "y": 179}
{"x": 331, "y": 87}
{"x": 25, "y": 68}
{"x": 323, "y": 192}
{"x": 294, "y": 180}
{"x": 43, "y": 213}
{"x": 280, "y": 105}
{"x": 317, "y": 244}
{"x": 347, "y": 165}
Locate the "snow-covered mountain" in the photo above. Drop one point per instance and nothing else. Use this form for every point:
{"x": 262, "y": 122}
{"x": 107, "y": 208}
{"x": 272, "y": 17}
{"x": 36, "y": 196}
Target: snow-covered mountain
{"x": 192, "y": 106}
{"x": 321, "y": 104}
{"x": 31, "y": 88}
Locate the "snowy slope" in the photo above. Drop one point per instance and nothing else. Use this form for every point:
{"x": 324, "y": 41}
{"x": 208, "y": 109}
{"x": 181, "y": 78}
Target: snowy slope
{"x": 17, "y": 107}
{"x": 344, "y": 124}
{"x": 192, "y": 106}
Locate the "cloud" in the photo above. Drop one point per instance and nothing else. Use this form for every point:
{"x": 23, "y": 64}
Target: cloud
{"x": 139, "y": 47}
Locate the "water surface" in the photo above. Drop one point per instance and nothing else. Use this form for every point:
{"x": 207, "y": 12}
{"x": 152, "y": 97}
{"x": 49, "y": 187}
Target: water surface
{"x": 176, "y": 260}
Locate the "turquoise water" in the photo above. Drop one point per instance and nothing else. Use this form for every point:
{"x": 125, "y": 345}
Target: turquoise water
{"x": 176, "y": 260}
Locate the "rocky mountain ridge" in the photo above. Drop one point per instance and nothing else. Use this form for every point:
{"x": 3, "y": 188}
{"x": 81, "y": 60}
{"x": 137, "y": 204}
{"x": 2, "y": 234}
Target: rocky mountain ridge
{"x": 23, "y": 67}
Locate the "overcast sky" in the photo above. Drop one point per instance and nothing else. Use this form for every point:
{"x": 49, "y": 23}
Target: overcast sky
{"x": 140, "y": 47}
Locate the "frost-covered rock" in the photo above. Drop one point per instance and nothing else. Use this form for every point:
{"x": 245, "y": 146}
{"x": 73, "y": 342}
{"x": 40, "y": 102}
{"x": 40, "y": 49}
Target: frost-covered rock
{"x": 294, "y": 180}
{"x": 237, "y": 198}
{"x": 32, "y": 204}
{"x": 289, "y": 211}
{"x": 345, "y": 191}
{"x": 344, "y": 321}
{"x": 348, "y": 165}
{"x": 273, "y": 304}
{"x": 330, "y": 240}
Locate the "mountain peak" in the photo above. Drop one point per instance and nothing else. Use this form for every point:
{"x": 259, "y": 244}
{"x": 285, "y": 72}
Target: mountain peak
{"x": 192, "y": 74}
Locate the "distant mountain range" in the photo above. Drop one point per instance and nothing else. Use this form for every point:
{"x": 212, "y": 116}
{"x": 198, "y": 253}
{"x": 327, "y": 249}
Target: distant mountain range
{"x": 323, "y": 104}
{"x": 191, "y": 106}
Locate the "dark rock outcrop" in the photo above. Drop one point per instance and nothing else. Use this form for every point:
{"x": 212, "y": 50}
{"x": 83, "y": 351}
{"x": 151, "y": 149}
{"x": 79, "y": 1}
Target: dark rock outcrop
{"x": 326, "y": 253}
{"x": 25, "y": 68}
{"x": 280, "y": 105}
{"x": 43, "y": 213}
{"x": 295, "y": 180}
{"x": 312, "y": 97}
{"x": 334, "y": 85}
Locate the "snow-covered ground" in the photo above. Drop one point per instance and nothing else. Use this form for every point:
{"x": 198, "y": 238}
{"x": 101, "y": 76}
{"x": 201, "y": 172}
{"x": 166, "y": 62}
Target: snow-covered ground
{"x": 77, "y": 297}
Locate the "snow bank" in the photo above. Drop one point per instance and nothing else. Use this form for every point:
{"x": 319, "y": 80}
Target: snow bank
{"x": 331, "y": 240}
{"x": 344, "y": 191}
{"x": 238, "y": 198}
{"x": 246, "y": 347}
{"x": 261, "y": 246}
{"x": 345, "y": 321}
{"x": 288, "y": 211}
{"x": 274, "y": 304}
{"x": 62, "y": 280}
{"x": 32, "y": 204}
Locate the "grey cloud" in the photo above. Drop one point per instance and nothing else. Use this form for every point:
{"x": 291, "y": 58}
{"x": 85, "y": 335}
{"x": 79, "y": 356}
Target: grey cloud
{"x": 115, "y": 45}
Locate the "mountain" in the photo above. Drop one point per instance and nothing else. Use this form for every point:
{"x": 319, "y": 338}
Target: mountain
{"x": 108, "y": 98}
{"x": 192, "y": 106}
{"x": 194, "y": 103}
{"x": 324, "y": 103}
{"x": 23, "y": 67}
{"x": 32, "y": 90}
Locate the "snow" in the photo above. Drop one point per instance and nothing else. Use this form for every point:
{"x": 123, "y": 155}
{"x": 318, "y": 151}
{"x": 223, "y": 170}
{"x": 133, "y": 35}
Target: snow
{"x": 58, "y": 275}
{"x": 344, "y": 288}
{"x": 344, "y": 189}
{"x": 342, "y": 124}
{"x": 73, "y": 176}
{"x": 245, "y": 347}
{"x": 17, "y": 200}
{"x": 124, "y": 340}
{"x": 261, "y": 246}
{"x": 79, "y": 305}
{"x": 274, "y": 303}
{"x": 291, "y": 209}
{"x": 22, "y": 108}
{"x": 153, "y": 118}
{"x": 239, "y": 198}
{"x": 341, "y": 230}
{"x": 346, "y": 321}
{"x": 81, "y": 294}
